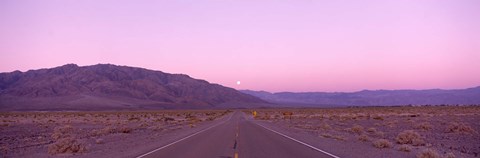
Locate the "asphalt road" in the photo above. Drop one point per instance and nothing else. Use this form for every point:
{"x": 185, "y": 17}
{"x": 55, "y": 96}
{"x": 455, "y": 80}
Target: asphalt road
{"x": 238, "y": 137}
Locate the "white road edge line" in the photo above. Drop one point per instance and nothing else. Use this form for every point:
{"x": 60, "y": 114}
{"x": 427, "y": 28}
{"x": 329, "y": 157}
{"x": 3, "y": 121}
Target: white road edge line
{"x": 303, "y": 143}
{"x": 183, "y": 138}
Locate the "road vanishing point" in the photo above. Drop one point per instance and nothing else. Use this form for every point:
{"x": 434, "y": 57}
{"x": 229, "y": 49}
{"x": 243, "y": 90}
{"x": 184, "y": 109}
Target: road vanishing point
{"x": 237, "y": 137}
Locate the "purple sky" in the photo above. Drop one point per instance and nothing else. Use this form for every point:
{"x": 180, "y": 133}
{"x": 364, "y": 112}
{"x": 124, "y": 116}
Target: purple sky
{"x": 291, "y": 45}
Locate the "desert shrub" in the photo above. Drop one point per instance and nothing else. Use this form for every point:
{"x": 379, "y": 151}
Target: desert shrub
{"x": 336, "y": 137}
{"x": 143, "y": 125}
{"x": 265, "y": 116}
{"x": 66, "y": 145}
{"x": 209, "y": 113}
{"x": 210, "y": 118}
{"x": 418, "y": 142}
{"x": 168, "y": 119}
{"x": 424, "y": 126}
{"x": 65, "y": 141}
{"x": 405, "y": 148}
{"x": 456, "y": 127}
{"x": 62, "y": 132}
{"x": 449, "y": 155}
{"x": 371, "y": 130}
{"x": 99, "y": 141}
{"x": 378, "y": 117}
{"x": 380, "y": 134}
{"x": 414, "y": 115}
{"x": 188, "y": 115}
{"x": 103, "y": 131}
{"x": 382, "y": 143}
{"x": 125, "y": 129}
{"x": 357, "y": 129}
{"x": 110, "y": 130}
{"x": 326, "y": 135}
{"x": 409, "y": 137}
{"x": 325, "y": 126}
{"x": 363, "y": 138}
{"x": 428, "y": 153}
{"x": 194, "y": 119}
{"x": 287, "y": 115}
{"x": 156, "y": 128}
{"x": 133, "y": 119}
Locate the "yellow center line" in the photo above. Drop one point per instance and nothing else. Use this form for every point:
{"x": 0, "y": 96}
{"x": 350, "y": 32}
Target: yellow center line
{"x": 236, "y": 139}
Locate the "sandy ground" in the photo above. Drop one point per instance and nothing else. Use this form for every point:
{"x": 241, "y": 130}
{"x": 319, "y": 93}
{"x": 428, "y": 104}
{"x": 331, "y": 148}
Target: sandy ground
{"x": 383, "y": 131}
{"x": 347, "y": 132}
{"x": 97, "y": 134}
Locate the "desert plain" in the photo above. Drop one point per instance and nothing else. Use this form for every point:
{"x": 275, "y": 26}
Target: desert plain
{"x": 406, "y": 131}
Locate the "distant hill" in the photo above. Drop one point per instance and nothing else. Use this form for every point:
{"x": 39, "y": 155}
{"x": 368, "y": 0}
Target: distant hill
{"x": 373, "y": 98}
{"x": 107, "y": 87}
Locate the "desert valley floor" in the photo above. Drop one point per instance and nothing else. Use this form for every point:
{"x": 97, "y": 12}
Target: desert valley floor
{"x": 445, "y": 131}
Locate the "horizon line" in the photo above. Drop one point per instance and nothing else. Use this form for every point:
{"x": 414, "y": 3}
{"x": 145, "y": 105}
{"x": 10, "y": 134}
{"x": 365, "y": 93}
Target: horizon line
{"x": 355, "y": 91}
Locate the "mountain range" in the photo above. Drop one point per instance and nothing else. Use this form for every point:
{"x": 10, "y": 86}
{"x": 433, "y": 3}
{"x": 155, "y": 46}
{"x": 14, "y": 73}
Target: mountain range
{"x": 110, "y": 87}
{"x": 467, "y": 96}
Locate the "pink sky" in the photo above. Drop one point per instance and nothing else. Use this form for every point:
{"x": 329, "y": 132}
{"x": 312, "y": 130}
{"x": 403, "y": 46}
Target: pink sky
{"x": 291, "y": 45}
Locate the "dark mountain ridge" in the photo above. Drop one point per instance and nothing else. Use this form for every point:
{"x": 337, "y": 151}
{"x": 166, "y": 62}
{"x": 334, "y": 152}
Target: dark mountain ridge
{"x": 374, "y": 97}
{"x": 106, "y": 86}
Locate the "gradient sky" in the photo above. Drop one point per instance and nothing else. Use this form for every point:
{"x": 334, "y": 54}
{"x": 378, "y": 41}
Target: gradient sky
{"x": 272, "y": 45}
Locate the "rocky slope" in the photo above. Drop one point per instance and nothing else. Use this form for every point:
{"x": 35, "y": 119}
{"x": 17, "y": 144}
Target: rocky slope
{"x": 106, "y": 86}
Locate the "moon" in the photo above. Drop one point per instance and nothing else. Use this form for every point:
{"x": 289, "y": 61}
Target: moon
{"x": 238, "y": 82}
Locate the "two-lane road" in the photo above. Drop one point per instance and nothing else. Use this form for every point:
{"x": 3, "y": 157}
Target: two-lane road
{"x": 238, "y": 137}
